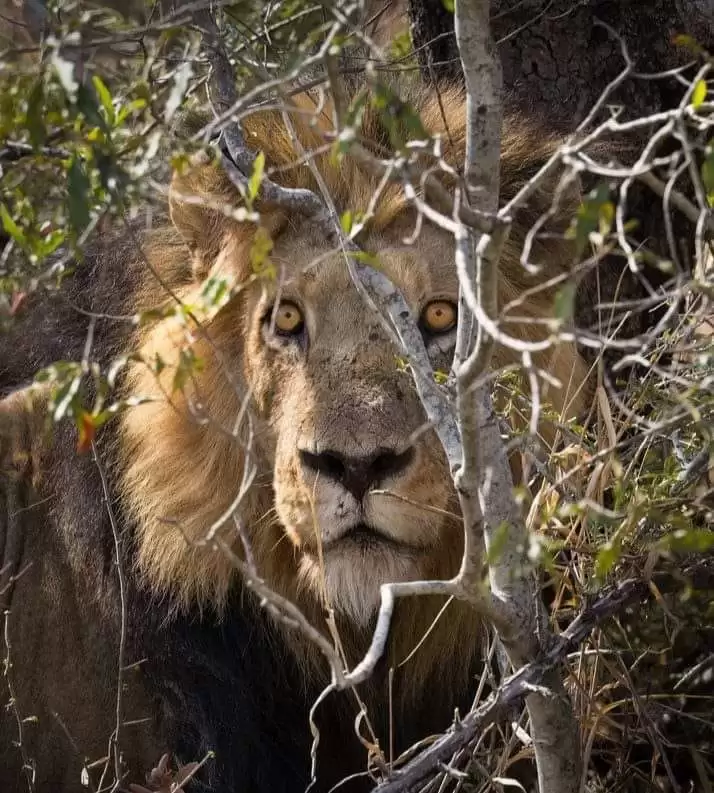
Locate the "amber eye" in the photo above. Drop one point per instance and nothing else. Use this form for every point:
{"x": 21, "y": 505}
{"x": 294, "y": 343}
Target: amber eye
{"x": 439, "y": 316}
{"x": 288, "y": 318}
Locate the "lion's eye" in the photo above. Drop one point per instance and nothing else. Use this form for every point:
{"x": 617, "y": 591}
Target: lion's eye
{"x": 439, "y": 316}
{"x": 288, "y": 319}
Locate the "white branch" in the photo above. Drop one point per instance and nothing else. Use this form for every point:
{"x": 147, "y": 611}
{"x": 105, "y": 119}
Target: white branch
{"x": 484, "y": 482}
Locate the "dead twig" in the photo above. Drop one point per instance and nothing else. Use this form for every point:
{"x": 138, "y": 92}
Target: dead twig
{"x": 514, "y": 689}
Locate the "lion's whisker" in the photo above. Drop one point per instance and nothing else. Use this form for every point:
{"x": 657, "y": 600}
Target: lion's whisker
{"x": 421, "y": 505}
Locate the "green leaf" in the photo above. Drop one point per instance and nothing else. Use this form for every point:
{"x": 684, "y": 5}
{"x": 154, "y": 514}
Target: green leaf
{"x": 365, "y": 257}
{"x": 399, "y": 118}
{"x": 606, "y": 216}
{"x": 255, "y": 178}
{"x": 260, "y": 254}
{"x": 689, "y": 540}
{"x": 564, "y": 303}
{"x": 593, "y": 215}
{"x": 50, "y": 243}
{"x": 215, "y": 293}
{"x": 105, "y": 98}
{"x": 64, "y": 399}
{"x": 448, "y": 5}
{"x": 187, "y": 365}
{"x": 606, "y": 559}
{"x": 699, "y": 94}
{"x": 401, "y": 46}
{"x": 401, "y": 363}
{"x": 10, "y": 226}
{"x": 129, "y": 109}
{"x": 34, "y": 117}
{"x": 689, "y": 43}
{"x": 215, "y": 290}
{"x": 87, "y": 105}
{"x": 346, "y": 220}
{"x": 79, "y": 189}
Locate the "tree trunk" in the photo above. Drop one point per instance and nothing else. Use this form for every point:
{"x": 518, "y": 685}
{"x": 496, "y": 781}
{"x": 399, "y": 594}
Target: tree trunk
{"x": 557, "y": 61}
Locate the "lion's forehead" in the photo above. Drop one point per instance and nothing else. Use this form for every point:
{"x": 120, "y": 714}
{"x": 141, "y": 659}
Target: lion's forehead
{"x": 321, "y": 278}
{"x": 347, "y": 374}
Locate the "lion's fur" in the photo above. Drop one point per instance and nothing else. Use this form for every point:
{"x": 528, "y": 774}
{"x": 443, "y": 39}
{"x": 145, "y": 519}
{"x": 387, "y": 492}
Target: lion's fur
{"x": 176, "y": 462}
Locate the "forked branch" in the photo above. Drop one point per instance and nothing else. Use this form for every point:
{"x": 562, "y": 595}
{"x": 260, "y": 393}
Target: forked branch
{"x": 484, "y": 482}
{"x": 534, "y": 676}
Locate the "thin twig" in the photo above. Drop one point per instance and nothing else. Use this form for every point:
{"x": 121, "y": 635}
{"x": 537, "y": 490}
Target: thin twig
{"x": 114, "y": 741}
{"x": 28, "y": 765}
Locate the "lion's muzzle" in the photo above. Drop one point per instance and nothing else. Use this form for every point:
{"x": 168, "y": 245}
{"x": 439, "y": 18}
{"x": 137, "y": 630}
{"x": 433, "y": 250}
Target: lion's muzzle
{"x": 356, "y": 474}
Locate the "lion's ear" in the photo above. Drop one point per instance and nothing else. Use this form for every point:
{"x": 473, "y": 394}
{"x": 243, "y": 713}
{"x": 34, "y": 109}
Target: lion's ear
{"x": 195, "y": 192}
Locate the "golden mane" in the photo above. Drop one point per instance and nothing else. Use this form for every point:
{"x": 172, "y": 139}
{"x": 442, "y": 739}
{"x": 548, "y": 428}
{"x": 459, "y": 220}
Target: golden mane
{"x": 180, "y": 472}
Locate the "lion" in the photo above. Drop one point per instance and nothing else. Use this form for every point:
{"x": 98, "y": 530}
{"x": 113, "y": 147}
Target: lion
{"x": 276, "y": 432}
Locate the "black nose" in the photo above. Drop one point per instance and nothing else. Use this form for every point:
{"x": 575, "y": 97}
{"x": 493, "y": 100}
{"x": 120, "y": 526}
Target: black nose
{"x": 357, "y": 474}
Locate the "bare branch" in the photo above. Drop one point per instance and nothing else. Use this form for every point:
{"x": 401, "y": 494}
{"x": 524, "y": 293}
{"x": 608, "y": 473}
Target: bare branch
{"x": 519, "y": 686}
{"x": 115, "y": 740}
{"x": 491, "y": 515}
{"x": 28, "y": 763}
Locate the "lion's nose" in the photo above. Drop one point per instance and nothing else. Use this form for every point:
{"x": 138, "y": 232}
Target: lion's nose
{"x": 357, "y": 474}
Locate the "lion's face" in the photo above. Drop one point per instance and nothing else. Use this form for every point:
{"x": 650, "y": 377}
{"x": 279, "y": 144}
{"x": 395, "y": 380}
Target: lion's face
{"x": 362, "y": 487}
{"x": 351, "y": 488}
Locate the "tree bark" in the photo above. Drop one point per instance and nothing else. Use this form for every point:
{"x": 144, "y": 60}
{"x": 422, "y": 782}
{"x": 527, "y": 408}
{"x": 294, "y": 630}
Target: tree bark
{"x": 556, "y": 60}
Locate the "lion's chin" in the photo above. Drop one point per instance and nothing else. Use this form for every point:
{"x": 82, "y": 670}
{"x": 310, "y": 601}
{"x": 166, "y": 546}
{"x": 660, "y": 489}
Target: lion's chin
{"x": 352, "y": 572}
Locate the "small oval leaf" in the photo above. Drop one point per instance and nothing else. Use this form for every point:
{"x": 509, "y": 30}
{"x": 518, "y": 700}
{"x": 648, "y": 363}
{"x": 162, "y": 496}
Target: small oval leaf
{"x": 699, "y": 94}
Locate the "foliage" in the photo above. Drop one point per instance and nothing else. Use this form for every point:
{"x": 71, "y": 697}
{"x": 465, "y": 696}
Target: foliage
{"x": 90, "y": 119}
